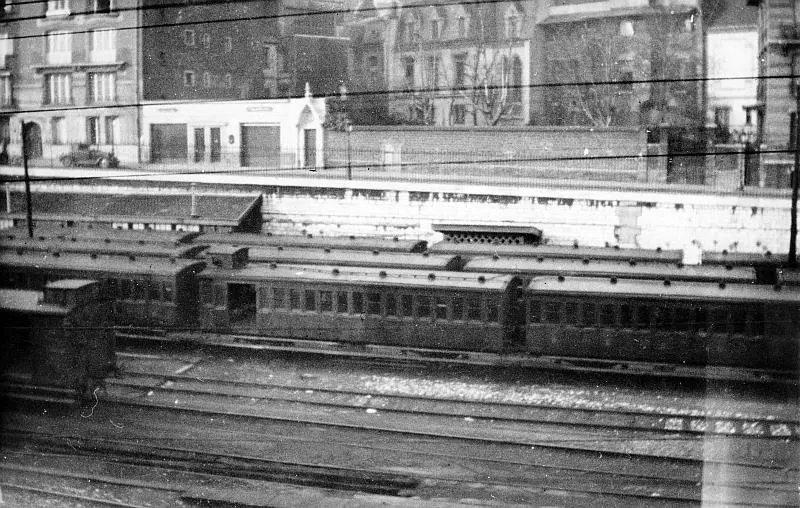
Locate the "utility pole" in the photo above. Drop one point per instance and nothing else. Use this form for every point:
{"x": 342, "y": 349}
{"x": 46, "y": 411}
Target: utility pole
{"x": 795, "y": 181}
{"x": 27, "y": 179}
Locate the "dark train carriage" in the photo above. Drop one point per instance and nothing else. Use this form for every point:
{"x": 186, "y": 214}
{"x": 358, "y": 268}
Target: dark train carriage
{"x": 394, "y": 244}
{"x": 415, "y": 309}
{"x": 335, "y": 257}
{"x": 471, "y": 250}
{"x": 102, "y": 248}
{"x": 528, "y": 268}
{"x": 101, "y": 235}
{"x": 677, "y": 323}
{"x": 152, "y": 292}
{"x": 765, "y": 264}
{"x": 788, "y": 276}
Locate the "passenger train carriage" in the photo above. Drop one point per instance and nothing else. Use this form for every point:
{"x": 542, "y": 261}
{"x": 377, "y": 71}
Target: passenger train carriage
{"x": 528, "y": 268}
{"x": 102, "y": 248}
{"x": 676, "y": 323}
{"x": 149, "y": 292}
{"x": 470, "y": 250}
{"x": 404, "y": 307}
{"x": 321, "y": 242}
{"x": 101, "y": 235}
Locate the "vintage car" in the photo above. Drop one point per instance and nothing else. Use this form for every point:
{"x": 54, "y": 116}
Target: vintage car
{"x": 84, "y": 155}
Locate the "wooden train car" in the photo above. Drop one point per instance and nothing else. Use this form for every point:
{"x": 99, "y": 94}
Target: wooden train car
{"x": 147, "y": 291}
{"x": 472, "y": 312}
{"x": 471, "y": 250}
{"x": 677, "y": 323}
{"x": 528, "y": 268}
{"x": 388, "y": 260}
{"x": 318, "y": 242}
{"x": 84, "y": 246}
{"x": 101, "y": 235}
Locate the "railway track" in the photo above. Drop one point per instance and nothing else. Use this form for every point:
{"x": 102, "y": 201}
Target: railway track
{"x": 407, "y": 355}
{"x": 510, "y": 463}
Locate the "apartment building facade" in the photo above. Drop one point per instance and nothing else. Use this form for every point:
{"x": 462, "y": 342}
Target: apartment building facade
{"x": 70, "y": 72}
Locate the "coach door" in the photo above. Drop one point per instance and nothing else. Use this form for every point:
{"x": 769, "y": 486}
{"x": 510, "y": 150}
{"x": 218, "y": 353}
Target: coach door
{"x": 241, "y": 305}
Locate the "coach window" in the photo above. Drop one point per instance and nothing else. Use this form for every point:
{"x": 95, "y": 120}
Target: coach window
{"x": 169, "y": 295}
{"x": 406, "y": 305}
{"x": 294, "y": 299}
{"x": 739, "y": 320}
{"x": 206, "y": 292}
{"x": 373, "y": 303}
{"x": 278, "y": 298}
{"x": 310, "y": 300}
{"x": 474, "y": 307}
{"x": 588, "y": 314}
{"x": 551, "y": 312}
{"x": 263, "y": 297}
{"x": 423, "y": 306}
{"x": 757, "y": 320}
{"x": 358, "y": 303}
{"x": 683, "y": 319}
{"x": 391, "y": 304}
{"x": 458, "y": 308}
{"x": 341, "y": 302}
{"x": 219, "y": 296}
{"x": 112, "y": 288}
{"x": 440, "y": 302}
{"x": 492, "y": 308}
{"x": 719, "y": 320}
{"x": 625, "y": 316}
{"x": 663, "y": 318}
{"x": 139, "y": 290}
{"x": 643, "y": 316}
{"x": 153, "y": 291}
{"x": 700, "y": 322}
{"x": 534, "y": 311}
{"x": 326, "y": 301}
{"x": 607, "y": 315}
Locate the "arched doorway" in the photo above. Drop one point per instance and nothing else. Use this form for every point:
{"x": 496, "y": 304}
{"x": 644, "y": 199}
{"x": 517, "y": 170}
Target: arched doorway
{"x": 33, "y": 140}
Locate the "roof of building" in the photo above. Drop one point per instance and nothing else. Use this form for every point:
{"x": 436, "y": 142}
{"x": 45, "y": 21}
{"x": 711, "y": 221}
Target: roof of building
{"x": 164, "y": 208}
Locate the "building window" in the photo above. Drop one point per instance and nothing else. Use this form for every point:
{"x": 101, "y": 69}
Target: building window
{"x": 515, "y": 80}
{"x": 228, "y": 81}
{"x": 626, "y": 28}
{"x": 111, "y": 130}
{"x": 188, "y": 37}
{"x": 92, "y": 130}
{"x": 512, "y": 27}
{"x": 268, "y": 57}
{"x": 188, "y": 78}
{"x": 408, "y": 70}
{"x": 435, "y": 28}
{"x": 6, "y": 49}
{"x": 228, "y": 44}
{"x": 103, "y": 46}
{"x": 206, "y": 39}
{"x": 408, "y": 31}
{"x": 58, "y": 89}
{"x": 459, "y": 69}
{"x": 59, "y": 48}
{"x": 103, "y": 6}
{"x": 207, "y": 79}
{"x": 57, "y": 7}
{"x": 101, "y": 86}
{"x": 462, "y": 27}
{"x": 5, "y": 91}
{"x": 793, "y": 126}
{"x": 57, "y": 130}
{"x": 433, "y": 70}
{"x": 459, "y": 114}
{"x": 373, "y": 70}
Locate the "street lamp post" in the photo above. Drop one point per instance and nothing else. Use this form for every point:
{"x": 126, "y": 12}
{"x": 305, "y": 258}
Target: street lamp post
{"x": 795, "y": 182}
{"x": 349, "y": 128}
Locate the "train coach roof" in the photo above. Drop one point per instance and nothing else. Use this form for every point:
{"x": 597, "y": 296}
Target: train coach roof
{"x": 99, "y": 234}
{"x": 744, "y": 258}
{"x": 110, "y": 265}
{"x": 334, "y": 242}
{"x": 319, "y": 274}
{"x": 633, "y": 288}
{"x": 28, "y": 302}
{"x": 353, "y": 258}
{"x": 557, "y": 251}
{"x": 547, "y": 266}
{"x": 86, "y": 246}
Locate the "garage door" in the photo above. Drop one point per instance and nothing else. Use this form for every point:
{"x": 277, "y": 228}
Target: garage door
{"x": 168, "y": 142}
{"x": 261, "y": 146}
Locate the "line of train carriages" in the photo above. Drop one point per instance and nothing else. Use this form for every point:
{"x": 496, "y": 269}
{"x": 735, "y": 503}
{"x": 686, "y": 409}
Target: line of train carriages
{"x": 616, "y": 304}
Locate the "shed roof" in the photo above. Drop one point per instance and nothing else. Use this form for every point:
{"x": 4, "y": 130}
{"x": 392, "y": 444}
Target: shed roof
{"x": 28, "y": 302}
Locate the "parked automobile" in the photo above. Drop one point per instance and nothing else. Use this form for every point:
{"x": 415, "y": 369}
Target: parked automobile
{"x": 84, "y": 155}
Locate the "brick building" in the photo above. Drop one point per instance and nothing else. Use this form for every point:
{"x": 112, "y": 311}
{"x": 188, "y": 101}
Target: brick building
{"x": 69, "y": 67}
